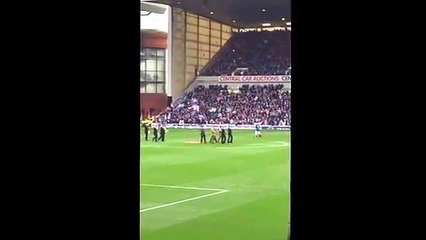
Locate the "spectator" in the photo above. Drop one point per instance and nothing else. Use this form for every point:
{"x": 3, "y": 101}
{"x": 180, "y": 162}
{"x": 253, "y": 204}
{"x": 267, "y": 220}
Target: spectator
{"x": 268, "y": 104}
{"x": 260, "y": 53}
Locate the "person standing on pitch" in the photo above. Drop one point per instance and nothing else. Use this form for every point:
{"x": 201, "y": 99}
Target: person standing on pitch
{"x": 217, "y": 135}
{"x": 257, "y": 132}
{"x": 155, "y": 133}
{"x": 162, "y": 133}
{"x": 203, "y": 135}
{"x": 230, "y": 137}
{"x": 146, "y": 130}
{"x": 222, "y": 135}
{"x": 213, "y": 136}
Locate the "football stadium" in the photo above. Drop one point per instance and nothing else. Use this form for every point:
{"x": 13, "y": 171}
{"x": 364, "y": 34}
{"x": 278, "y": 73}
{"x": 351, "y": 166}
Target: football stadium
{"x": 215, "y": 104}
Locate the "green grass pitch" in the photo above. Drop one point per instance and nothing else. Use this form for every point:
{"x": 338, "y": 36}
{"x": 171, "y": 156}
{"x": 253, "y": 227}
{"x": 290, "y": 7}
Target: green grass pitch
{"x": 192, "y": 191}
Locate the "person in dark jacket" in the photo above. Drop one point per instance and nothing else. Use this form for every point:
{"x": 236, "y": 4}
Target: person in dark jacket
{"x": 146, "y": 131}
{"x": 222, "y": 136}
{"x": 162, "y": 133}
{"x": 230, "y": 137}
{"x": 155, "y": 133}
{"x": 203, "y": 135}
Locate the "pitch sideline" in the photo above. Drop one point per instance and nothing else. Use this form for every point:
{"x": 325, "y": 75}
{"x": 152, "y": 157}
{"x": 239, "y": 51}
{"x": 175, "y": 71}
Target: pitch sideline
{"x": 219, "y": 146}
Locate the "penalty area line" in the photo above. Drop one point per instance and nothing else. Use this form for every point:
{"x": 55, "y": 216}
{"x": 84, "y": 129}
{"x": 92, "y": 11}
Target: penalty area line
{"x": 183, "y": 201}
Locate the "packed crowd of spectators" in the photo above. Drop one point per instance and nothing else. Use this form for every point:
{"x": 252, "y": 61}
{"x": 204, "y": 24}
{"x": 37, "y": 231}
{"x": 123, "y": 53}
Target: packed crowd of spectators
{"x": 260, "y": 53}
{"x": 268, "y": 104}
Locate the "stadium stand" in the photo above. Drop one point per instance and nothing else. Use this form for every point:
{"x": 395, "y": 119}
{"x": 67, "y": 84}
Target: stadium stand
{"x": 248, "y": 53}
{"x": 216, "y": 104}
{"x": 260, "y": 53}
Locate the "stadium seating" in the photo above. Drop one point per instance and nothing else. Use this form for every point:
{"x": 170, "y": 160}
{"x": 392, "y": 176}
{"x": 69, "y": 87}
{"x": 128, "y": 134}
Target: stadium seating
{"x": 216, "y": 104}
{"x": 261, "y": 53}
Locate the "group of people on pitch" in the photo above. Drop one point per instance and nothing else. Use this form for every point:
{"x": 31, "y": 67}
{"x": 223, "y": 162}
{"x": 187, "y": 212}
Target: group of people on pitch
{"x": 156, "y": 128}
{"x": 217, "y": 135}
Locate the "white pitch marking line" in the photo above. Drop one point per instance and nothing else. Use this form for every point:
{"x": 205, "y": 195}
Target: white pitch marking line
{"x": 254, "y": 146}
{"x": 183, "y": 187}
{"x": 182, "y": 201}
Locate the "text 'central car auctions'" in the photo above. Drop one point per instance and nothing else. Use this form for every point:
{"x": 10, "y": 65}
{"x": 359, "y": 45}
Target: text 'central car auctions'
{"x": 266, "y": 78}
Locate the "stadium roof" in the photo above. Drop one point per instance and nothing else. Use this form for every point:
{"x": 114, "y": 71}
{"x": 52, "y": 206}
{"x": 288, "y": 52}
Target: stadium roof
{"x": 237, "y": 13}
